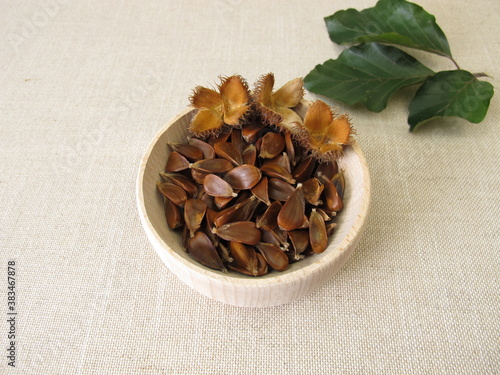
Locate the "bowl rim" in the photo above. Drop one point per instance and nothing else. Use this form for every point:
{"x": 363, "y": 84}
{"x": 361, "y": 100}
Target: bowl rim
{"x": 218, "y": 277}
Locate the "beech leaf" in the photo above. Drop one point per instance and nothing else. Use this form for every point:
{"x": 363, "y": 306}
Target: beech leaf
{"x": 369, "y": 74}
{"x": 455, "y": 93}
{"x": 391, "y": 22}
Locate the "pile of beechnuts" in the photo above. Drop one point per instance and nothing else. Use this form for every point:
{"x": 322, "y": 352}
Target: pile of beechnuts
{"x": 256, "y": 186}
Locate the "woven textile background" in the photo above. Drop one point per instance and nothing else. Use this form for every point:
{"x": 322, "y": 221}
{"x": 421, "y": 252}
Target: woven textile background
{"x": 84, "y": 86}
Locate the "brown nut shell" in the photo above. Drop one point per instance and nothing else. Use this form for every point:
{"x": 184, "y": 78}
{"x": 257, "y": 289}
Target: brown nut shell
{"x": 176, "y": 162}
{"x": 281, "y": 236}
{"x": 240, "y": 231}
{"x": 182, "y": 181}
{"x": 242, "y": 211}
{"x": 291, "y": 215}
{"x": 317, "y": 232}
{"x": 279, "y": 190}
{"x": 243, "y": 177}
{"x": 221, "y": 137}
{"x": 330, "y": 228}
{"x": 236, "y": 267}
{"x": 223, "y": 252}
{"x": 262, "y": 268}
{"x": 299, "y": 239}
{"x": 222, "y": 202}
{"x": 272, "y": 145}
{"x": 327, "y": 169}
{"x": 244, "y": 256}
{"x": 194, "y": 211}
{"x": 277, "y": 171}
{"x": 172, "y": 214}
{"x": 185, "y": 238}
{"x": 228, "y": 151}
{"x": 261, "y": 191}
{"x": 269, "y": 219}
{"x": 202, "y": 249}
{"x": 208, "y": 225}
{"x": 324, "y": 215}
{"x": 339, "y": 182}
{"x": 249, "y": 155}
{"x": 237, "y": 140}
{"x": 217, "y": 187}
{"x": 217, "y": 165}
{"x": 274, "y": 256}
{"x": 173, "y": 192}
{"x": 198, "y": 176}
{"x": 312, "y": 191}
{"x": 207, "y": 149}
{"x": 250, "y": 132}
{"x": 332, "y": 200}
{"x": 290, "y": 149}
{"x": 270, "y": 236}
{"x": 190, "y": 152}
{"x": 209, "y": 200}
{"x": 303, "y": 170}
{"x": 282, "y": 160}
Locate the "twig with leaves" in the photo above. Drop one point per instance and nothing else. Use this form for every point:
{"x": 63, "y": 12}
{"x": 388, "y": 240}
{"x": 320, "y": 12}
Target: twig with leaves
{"x": 372, "y": 70}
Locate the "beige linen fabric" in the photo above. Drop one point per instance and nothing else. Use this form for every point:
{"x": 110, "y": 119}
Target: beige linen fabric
{"x": 84, "y": 86}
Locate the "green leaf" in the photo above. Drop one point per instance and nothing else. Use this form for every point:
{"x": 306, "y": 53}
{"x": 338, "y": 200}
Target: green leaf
{"x": 390, "y": 22}
{"x": 455, "y": 93}
{"x": 369, "y": 73}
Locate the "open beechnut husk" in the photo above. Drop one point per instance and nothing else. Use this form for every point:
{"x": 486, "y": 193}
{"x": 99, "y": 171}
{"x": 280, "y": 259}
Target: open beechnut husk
{"x": 255, "y": 187}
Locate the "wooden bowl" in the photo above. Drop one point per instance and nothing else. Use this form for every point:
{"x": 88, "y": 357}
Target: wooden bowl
{"x": 274, "y": 288}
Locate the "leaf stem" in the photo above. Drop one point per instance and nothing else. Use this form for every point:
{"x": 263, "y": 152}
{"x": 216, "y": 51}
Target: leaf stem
{"x": 454, "y": 62}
